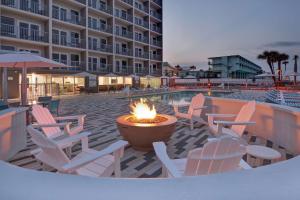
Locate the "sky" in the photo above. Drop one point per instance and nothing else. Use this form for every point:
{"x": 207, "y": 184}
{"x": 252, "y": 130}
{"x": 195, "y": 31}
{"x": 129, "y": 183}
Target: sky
{"x": 197, "y": 29}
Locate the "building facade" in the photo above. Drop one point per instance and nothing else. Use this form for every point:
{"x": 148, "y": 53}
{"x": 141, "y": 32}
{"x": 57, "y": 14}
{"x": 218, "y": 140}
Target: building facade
{"x": 234, "y": 66}
{"x": 101, "y": 37}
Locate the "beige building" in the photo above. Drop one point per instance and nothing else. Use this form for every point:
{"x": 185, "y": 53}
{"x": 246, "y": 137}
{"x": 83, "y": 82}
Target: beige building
{"x": 101, "y": 37}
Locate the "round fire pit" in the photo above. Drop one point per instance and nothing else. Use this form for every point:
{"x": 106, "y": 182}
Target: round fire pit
{"x": 141, "y": 134}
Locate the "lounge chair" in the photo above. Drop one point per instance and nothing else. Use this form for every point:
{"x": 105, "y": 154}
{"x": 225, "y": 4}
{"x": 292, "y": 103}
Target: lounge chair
{"x": 194, "y": 112}
{"x": 238, "y": 126}
{"x": 87, "y": 163}
{"x": 218, "y": 155}
{"x": 53, "y": 129}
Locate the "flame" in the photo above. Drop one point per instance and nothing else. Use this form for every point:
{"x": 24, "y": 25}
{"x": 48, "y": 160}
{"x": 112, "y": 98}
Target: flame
{"x": 141, "y": 110}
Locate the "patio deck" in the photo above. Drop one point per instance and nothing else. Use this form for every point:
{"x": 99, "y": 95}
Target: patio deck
{"x": 101, "y": 114}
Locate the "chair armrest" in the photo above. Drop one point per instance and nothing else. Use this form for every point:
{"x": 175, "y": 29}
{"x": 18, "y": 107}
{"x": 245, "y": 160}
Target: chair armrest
{"x": 70, "y": 117}
{"x": 161, "y": 153}
{"x": 64, "y": 124}
{"x": 75, "y": 164}
{"x": 231, "y": 123}
{"x": 73, "y": 138}
{"x": 220, "y": 115}
{"x": 200, "y": 108}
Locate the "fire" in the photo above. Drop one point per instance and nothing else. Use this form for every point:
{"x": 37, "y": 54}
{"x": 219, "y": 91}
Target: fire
{"x": 142, "y": 111}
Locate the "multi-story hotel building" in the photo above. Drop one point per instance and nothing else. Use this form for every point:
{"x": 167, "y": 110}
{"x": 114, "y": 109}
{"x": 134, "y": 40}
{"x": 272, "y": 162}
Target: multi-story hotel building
{"x": 234, "y": 66}
{"x": 101, "y": 37}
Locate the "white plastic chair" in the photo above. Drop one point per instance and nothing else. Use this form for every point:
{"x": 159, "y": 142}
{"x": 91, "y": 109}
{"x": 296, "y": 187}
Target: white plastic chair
{"x": 194, "y": 112}
{"x": 238, "y": 126}
{"x": 87, "y": 163}
{"x": 218, "y": 155}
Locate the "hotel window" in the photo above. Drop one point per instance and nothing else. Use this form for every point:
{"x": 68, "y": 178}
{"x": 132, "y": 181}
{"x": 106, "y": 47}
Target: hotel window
{"x": 102, "y": 24}
{"x": 64, "y": 59}
{"x": 94, "y": 23}
{"x": 89, "y": 22}
{"x": 55, "y": 57}
{"x": 63, "y": 38}
{"x": 117, "y": 66}
{"x": 103, "y": 5}
{"x": 103, "y": 62}
{"x": 124, "y": 65}
{"x": 95, "y": 43}
{"x": 55, "y": 12}
{"x": 63, "y": 14}
{"x": 93, "y": 3}
{"x": 75, "y": 39}
{"x": 74, "y": 17}
{"x": 95, "y": 63}
{"x": 24, "y": 30}
{"x": 74, "y": 60}
{"x": 8, "y": 26}
{"x": 34, "y": 32}
{"x": 124, "y": 14}
{"x": 55, "y": 36}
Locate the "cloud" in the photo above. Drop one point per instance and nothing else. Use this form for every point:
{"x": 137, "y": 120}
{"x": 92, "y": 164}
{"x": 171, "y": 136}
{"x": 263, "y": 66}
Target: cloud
{"x": 283, "y": 44}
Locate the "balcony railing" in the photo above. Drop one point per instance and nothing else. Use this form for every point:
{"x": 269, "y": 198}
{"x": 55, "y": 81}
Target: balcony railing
{"x": 124, "y": 70}
{"x": 142, "y": 39}
{"x": 156, "y": 57}
{"x": 130, "y": 2}
{"x": 75, "y": 19}
{"x": 102, "y": 28}
{"x": 100, "y": 67}
{"x": 122, "y": 33}
{"x": 102, "y": 47}
{"x": 23, "y": 33}
{"x": 158, "y": 2}
{"x": 156, "y": 43}
{"x": 156, "y": 29}
{"x": 126, "y": 17}
{"x": 142, "y": 7}
{"x": 124, "y": 51}
{"x": 156, "y": 15}
{"x": 32, "y": 7}
{"x": 72, "y": 65}
{"x": 104, "y": 8}
{"x": 144, "y": 24}
{"x": 65, "y": 41}
{"x": 141, "y": 71}
{"x": 144, "y": 55}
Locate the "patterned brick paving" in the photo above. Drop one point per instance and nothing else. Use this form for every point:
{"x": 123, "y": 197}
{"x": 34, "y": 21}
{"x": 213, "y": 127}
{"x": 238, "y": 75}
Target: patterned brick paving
{"x": 101, "y": 113}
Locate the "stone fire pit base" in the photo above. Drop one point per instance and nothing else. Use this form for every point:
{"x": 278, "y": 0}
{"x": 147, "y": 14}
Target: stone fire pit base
{"x": 141, "y": 136}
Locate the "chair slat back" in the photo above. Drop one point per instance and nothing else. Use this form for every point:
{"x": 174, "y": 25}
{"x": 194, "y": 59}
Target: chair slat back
{"x": 43, "y": 116}
{"x": 244, "y": 115}
{"x": 197, "y": 101}
{"x": 220, "y": 155}
{"x": 51, "y": 154}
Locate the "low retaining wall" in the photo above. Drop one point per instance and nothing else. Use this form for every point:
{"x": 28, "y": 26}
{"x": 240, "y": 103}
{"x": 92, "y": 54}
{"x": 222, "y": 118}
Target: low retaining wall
{"x": 280, "y": 124}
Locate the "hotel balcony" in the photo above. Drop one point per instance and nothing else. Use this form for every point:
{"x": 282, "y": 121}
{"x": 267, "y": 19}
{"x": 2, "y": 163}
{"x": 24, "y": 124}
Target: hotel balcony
{"x": 142, "y": 39}
{"x": 124, "y": 51}
{"x": 125, "y": 17}
{"x": 156, "y": 15}
{"x": 143, "y": 55}
{"x": 125, "y": 70}
{"x": 157, "y": 72}
{"x": 22, "y": 5}
{"x": 142, "y": 8}
{"x": 144, "y": 24}
{"x": 142, "y": 72}
{"x": 125, "y": 34}
{"x": 158, "y": 2}
{"x": 73, "y": 20}
{"x": 100, "y": 68}
{"x": 23, "y": 33}
{"x": 102, "y": 48}
{"x": 68, "y": 42}
{"x": 156, "y": 29}
{"x": 129, "y": 2}
{"x": 102, "y": 28}
{"x": 156, "y": 57}
{"x": 107, "y": 9}
{"x": 72, "y": 65}
{"x": 156, "y": 43}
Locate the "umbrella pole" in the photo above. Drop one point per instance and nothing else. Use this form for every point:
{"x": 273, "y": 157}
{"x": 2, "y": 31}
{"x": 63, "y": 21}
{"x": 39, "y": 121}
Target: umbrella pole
{"x": 4, "y": 85}
{"x": 24, "y": 87}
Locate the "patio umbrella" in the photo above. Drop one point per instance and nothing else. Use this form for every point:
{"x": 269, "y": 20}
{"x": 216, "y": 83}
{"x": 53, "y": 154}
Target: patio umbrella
{"x": 23, "y": 60}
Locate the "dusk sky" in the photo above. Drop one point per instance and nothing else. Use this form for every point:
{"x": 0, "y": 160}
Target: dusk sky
{"x": 197, "y": 29}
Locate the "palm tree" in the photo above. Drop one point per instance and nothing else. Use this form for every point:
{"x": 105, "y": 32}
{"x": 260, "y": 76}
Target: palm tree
{"x": 281, "y": 57}
{"x": 285, "y": 63}
{"x": 270, "y": 58}
{"x": 296, "y": 57}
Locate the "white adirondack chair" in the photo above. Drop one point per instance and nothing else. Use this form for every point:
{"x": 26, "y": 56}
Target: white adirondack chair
{"x": 87, "y": 163}
{"x": 194, "y": 112}
{"x": 238, "y": 126}
{"x": 218, "y": 155}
